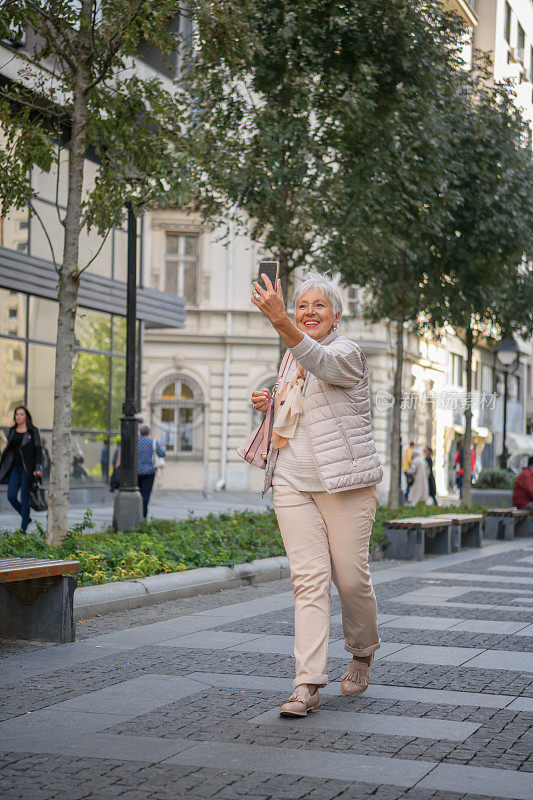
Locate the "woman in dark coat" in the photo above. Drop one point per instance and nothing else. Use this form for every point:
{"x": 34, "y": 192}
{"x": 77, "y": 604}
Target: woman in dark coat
{"x": 21, "y": 461}
{"x": 428, "y": 452}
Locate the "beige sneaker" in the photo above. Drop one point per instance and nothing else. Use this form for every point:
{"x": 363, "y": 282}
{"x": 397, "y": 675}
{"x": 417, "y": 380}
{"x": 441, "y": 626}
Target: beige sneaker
{"x": 300, "y": 702}
{"x": 356, "y": 679}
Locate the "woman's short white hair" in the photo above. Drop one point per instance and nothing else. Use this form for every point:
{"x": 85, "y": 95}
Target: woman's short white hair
{"x": 316, "y": 281}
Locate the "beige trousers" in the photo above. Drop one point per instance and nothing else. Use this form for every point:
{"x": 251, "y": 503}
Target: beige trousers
{"x": 326, "y": 536}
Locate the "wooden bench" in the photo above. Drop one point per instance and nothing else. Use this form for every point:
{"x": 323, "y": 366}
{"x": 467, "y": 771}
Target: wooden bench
{"x": 413, "y": 537}
{"x": 506, "y": 523}
{"x": 37, "y": 599}
{"x": 466, "y": 530}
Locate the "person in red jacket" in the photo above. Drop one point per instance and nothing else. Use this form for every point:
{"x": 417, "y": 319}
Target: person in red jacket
{"x": 523, "y": 487}
{"x": 459, "y": 467}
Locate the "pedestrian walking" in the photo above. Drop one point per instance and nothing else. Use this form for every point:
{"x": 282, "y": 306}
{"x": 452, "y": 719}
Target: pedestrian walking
{"x": 406, "y": 463}
{"x": 323, "y": 467}
{"x": 523, "y": 487}
{"x": 432, "y": 486}
{"x": 21, "y": 462}
{"x": 148, "y": 452}
{"x": 459, "y": 466}
{"x": 418, "y": 470}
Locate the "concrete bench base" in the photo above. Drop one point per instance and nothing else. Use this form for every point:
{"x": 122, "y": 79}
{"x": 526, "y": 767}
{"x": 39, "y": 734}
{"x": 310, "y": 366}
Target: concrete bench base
{"x": 466, "y": 534}
{"x": 414, "y": 543}
{"x": 39, "y": 609}
{"x": 508, "y": 524}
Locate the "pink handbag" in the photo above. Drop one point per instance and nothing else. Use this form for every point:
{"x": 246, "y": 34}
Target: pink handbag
{"x": 255, "y": 448}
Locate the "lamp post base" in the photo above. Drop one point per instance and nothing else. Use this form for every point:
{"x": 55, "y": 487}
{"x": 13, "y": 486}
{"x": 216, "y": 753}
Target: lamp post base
{"x": 128, "y": 509}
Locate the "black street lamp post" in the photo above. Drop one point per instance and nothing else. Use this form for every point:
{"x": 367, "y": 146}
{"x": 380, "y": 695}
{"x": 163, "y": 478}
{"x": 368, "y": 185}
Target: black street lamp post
{"x": 507, "y": 353}
{"x": 128, "y": 501}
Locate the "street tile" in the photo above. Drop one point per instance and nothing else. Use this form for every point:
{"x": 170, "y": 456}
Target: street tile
{"x": 490, "y": 626}
{"x": 284, "y": 645}
{"x": 503, "y": 659}
{"x": 512, "y": 568}
{"x": 213, "y": 640}
{"x": 473, "y": 577}
{"x": 434, "y": 696}
{"x": 398, "y": 772}
{"x": 422, "y": 623}
{"x": 430, "y": 728}
{"x": 147, "y": 749}
{"x": 493, "y": 782}
{"x": 527, "y": 631}
{"x": 429, "y": 654}
{"x": 136, "y": 696}
{"x": 62, "y": 722}
{"x": 521, "y": 704}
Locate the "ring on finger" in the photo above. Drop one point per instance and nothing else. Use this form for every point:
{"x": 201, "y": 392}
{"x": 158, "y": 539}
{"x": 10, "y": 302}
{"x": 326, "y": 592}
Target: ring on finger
{"x": 256, "y": 296}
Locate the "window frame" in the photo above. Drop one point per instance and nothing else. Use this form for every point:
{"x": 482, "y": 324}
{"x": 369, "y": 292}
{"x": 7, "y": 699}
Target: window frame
{"x": 507, "y": 22}
{"x": 196, "y": 403}
{"x": 520, "y": 44}
{"x": 180, "y": 259}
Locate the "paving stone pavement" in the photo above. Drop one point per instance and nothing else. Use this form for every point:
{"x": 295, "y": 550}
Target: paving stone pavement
{"x": 179, "y": 700}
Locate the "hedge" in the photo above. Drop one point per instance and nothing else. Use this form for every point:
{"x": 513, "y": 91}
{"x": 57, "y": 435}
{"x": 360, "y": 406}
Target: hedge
{"x": 168, "y": 546}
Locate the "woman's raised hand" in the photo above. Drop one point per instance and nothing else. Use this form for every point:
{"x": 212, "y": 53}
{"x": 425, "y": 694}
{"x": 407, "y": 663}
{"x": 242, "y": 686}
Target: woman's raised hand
{"x": 261, "y": 400}
{"x": 269, "y": 301}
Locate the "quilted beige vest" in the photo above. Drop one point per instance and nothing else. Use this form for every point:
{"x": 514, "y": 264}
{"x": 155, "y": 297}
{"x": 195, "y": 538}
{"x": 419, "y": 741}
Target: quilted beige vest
{"x": 338, "y": 424}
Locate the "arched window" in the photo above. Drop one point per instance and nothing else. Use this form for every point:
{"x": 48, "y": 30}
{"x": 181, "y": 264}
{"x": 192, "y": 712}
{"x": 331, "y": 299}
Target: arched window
{"x": 178, "y": 415}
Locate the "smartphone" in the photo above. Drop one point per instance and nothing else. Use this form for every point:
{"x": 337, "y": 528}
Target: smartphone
{"x": 269, "y": 268}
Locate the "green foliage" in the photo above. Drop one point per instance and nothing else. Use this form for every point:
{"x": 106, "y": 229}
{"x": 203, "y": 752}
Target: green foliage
{"x": 162, "y": 546}
{"x": 481, "y": 257}
{"x": 132, "y": 123}
{"x": 495, "y": 479}
{"x": 157, "y": 546}
{"x": 272, "y": 115}
{"x": 391, "y": 204}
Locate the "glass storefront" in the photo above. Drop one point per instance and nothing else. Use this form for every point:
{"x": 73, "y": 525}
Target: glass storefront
{"x": 28, "y": 327}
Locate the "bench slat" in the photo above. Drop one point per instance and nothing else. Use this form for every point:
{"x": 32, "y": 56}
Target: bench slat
{"x": 419, "y": 522}
{"x": 19, "y": 569}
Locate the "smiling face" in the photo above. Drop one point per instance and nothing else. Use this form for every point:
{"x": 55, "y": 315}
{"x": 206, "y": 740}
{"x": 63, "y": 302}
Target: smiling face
{"x": 314, "y": 314}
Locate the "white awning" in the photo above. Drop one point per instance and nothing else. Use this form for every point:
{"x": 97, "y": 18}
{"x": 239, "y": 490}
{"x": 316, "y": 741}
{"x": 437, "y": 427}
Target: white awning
{"x": 520, "y": 444}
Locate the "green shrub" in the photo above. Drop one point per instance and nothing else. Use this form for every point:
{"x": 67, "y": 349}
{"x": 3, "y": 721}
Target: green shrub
{"x": 495, "y": 479}
{"x": 168, "y": 546}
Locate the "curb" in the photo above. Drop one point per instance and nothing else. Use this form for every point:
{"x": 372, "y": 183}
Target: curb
{"x": 93, "y": 601}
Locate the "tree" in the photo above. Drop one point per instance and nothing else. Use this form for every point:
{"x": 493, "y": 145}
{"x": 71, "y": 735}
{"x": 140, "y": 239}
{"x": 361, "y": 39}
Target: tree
{"x": 482, "y": 257}
{"x": 95, "y": 102}
{"x": 271, "y": 112}
{"x": 391, "y": 205}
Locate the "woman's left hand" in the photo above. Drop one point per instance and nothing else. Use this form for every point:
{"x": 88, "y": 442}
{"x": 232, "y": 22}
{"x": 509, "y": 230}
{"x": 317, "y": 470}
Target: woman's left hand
{"x": 269, "y": 301}
{"x": 38, "y": 474}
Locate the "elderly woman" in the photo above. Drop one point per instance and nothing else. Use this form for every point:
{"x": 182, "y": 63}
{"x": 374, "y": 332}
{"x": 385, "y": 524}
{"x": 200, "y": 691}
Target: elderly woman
{"x": 420, "y": 486}
{"x": 324, "y": 469}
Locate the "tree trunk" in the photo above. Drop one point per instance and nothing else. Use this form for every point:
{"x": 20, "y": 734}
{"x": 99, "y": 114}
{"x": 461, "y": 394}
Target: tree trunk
{"x": 467, "y": 439}
{"x": 395, "y": 464}
{"x": 69, "y": 279}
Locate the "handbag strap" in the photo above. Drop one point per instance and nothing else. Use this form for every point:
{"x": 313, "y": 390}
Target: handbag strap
{"x": 267, "y": 430}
